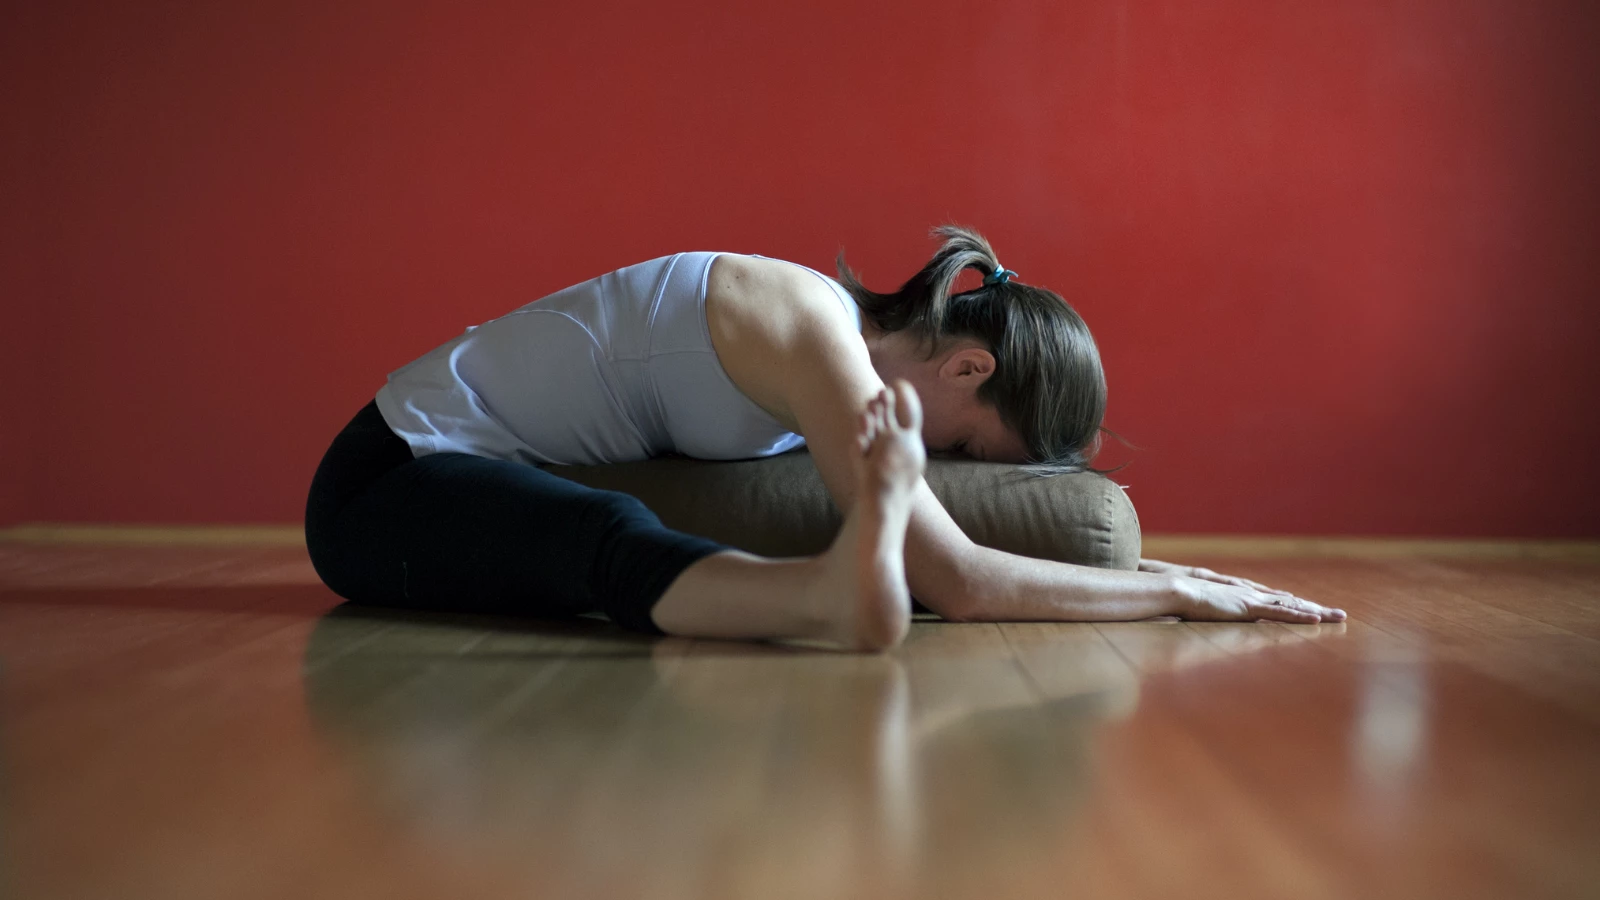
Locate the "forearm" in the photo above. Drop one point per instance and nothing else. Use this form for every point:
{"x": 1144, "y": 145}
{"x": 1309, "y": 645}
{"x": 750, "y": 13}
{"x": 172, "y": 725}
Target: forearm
{"x": 1004, "y": 587}
{"x": 963, "y": 581}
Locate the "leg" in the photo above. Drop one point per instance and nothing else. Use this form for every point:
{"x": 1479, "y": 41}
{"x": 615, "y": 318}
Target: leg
{"x": 456, "y": 532}
{"x": 463, "y": 533}
{"x": 855, "y": 594}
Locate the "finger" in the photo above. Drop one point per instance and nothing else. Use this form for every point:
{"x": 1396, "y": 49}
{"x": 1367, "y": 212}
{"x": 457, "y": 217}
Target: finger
{"x": 1209, "y": 575}
{"x": 1278, "y": 612}
{"x": 1327, "y": 613}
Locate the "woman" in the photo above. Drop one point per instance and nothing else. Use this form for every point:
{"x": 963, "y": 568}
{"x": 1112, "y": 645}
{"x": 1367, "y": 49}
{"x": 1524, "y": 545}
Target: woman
{"x": 429, "y": 497}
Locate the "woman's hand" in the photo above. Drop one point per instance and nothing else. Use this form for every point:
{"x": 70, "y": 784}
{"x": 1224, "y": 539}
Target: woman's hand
{"x": 1249, "y": 598}
{"x": 1166, "y": 568}
{"x": 1207, "y": 600}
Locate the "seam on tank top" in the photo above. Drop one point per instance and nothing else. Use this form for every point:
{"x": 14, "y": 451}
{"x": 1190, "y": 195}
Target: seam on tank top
{"x": 436, "y": 441}
{"x": 611, "y": 395}
{"x": 411, "y": 433}
{"x": 711, "y": 349}
{"x": 656, "y": 294}
{"x": 556, "y": 312}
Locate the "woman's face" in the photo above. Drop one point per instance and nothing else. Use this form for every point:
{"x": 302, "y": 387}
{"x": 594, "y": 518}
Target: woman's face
{"x": 954, "y": 420}
{"x": 958, "y": 424}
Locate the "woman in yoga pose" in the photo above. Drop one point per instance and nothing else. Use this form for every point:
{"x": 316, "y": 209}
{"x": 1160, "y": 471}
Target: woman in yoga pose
{"x": 431, "y": 497}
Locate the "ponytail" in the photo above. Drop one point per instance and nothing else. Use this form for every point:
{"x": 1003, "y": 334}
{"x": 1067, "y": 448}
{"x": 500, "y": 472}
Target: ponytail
{"x": 922, "y": 305}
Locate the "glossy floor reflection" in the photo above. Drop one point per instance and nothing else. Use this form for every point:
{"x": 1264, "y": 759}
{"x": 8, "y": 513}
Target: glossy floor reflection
{"x": 190, "y": 724}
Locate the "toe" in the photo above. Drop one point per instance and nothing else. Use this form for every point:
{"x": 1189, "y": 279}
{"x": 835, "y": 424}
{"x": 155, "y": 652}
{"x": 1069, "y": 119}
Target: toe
{"x": 908, "y": 406}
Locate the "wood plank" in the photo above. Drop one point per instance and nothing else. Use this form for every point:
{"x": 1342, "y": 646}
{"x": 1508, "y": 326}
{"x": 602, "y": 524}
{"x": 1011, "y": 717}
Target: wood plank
{"x": 203, "y": 731}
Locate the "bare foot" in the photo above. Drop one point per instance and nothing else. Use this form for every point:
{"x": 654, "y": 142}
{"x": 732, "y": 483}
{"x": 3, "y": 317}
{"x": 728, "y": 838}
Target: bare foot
{"x": 861, "y": 596}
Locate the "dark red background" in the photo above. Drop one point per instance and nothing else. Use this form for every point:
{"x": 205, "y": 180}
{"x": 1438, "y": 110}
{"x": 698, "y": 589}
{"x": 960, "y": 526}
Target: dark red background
{"x": 1340, "y": 256}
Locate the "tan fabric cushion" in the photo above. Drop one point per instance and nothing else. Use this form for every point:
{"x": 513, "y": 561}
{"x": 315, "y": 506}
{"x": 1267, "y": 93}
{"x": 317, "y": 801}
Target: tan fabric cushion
{"x": 778, "y": 506}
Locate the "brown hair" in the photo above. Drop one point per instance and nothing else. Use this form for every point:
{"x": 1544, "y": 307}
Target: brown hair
{"x": 1047, "y": 385}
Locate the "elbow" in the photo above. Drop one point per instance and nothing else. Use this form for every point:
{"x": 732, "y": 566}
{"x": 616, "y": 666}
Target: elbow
{"x": 951, "y": 587}
{"x": 960, "y": 605}
{"x": 961, "y": 612}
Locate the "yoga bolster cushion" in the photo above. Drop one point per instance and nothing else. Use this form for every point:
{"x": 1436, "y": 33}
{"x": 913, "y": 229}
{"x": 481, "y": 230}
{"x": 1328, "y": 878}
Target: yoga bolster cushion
{"x": 778, "y": 506}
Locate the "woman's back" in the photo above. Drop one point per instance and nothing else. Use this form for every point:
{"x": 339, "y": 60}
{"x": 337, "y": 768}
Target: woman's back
{"x": 615, "y": 369}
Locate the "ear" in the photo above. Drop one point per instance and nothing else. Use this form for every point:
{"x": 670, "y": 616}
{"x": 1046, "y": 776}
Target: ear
{"x": 972, "y": 365}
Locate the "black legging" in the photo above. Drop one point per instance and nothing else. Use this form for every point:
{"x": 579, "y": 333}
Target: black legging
{"x": 463, "y": 533}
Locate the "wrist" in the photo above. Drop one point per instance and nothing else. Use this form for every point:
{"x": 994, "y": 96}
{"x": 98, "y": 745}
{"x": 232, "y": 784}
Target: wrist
{"x": 1175, "y": 592}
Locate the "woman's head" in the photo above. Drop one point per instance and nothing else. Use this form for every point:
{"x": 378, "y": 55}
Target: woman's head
{"x": 1028, "y": 354}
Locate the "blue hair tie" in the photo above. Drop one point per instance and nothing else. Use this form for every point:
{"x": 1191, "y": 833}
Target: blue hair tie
{"x": 998, "y": 276}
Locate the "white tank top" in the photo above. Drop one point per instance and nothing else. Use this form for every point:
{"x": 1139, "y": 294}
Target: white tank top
{"x": 616, "y": 369}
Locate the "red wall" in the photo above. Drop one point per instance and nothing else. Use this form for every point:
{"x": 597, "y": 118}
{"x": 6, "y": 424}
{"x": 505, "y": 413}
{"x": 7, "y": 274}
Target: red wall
{"x": 1340, "y": 255}
{"x": 24, "y": 290}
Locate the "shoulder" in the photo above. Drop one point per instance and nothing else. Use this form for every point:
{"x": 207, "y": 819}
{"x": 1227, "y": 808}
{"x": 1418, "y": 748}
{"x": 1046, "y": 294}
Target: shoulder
{"x": 782, "y": 299}
{"x": 769, "y": 320}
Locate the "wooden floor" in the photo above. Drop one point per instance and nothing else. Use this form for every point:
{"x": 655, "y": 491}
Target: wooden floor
{"x": 190, "y": 723}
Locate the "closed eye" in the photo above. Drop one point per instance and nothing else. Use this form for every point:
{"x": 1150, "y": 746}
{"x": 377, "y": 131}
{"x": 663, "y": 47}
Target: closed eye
{"x": 953, "y": 451}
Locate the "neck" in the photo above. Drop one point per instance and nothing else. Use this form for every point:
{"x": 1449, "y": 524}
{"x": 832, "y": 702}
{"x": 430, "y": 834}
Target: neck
{"x": 890, "y": 352}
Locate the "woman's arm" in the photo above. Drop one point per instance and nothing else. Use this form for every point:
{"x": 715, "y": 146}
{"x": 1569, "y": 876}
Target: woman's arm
{"x": 1018, "y": 588}
{"x": 788, "y": 344}
{"x": 966, "y": 582}
{"x": 946, "y": 570}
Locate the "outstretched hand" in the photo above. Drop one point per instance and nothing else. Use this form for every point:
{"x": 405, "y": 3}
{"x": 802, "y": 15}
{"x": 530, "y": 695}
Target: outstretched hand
{"x": 1203, "y": 574}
